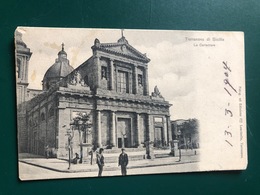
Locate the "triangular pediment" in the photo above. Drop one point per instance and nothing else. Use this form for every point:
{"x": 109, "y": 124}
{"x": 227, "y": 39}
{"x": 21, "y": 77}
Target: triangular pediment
{"x": 122, "y": 48}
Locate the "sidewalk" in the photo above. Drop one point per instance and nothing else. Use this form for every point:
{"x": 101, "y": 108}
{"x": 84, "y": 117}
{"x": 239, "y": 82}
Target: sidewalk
{"x": 62, "y": 165}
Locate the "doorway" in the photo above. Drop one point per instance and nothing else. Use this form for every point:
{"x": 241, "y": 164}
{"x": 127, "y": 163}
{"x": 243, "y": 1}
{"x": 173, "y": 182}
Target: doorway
{"x": 158, "y": 137}
{"x": 124, "y": 133}
{"x": 122, "y": 143}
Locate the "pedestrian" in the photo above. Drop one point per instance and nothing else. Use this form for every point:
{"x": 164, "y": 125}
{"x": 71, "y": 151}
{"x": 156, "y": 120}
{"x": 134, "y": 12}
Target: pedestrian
{"x": 47, "y": 152}
{"x": 91, "y": 153}
{"x": 75, "y": 160}
{"x": 100, "y": 161}
{"x": 123, "y": 161}
{"x": 91, "y": 156}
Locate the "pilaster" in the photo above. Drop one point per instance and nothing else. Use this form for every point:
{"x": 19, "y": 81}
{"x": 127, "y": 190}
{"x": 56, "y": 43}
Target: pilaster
{"x": 165, "y": 130}
{"x": 135, "y": 84}
{"x": 98, "y": 125}
{"x": 111, "y": 74}
{"x": 150, "y": 132}
{"x": 113, "y": 128}
{"x": 146, "y": 83}
{"x": 98, "y": 71}
{"x": 169, "y": 129}
{"x": 138, "y": 130}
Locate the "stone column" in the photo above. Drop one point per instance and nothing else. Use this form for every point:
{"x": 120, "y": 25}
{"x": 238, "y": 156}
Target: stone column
{"x": 138, "y": 137}
{"x": 98, "y": 70}
{"x": 150, "y": 128}
{"x": 150, "y": 139}
{"x": 169, "y": 128}
{"x": 165, "y": 130}
{"x": 111, "y": 74}
{"x": 130, "y": 78}
{"x": 23, "y": 69}
{"x": 116, "y": 71}
{"x": 146, "y": 84}
{"x": 113, "y": 129}
{"x": 99, "y": 138}
{"x": 135, "y": 86}
{"x": 26, "y": 73}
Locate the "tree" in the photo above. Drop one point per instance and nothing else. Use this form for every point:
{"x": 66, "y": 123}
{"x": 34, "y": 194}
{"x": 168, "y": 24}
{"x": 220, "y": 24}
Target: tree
{"x": 190, "y": 127}
{"x": 81, "y": 122}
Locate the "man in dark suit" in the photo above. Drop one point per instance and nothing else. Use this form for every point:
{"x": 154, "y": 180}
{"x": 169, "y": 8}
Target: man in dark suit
{"x": 123, "y": 161}
{"x": 100, "y": 161}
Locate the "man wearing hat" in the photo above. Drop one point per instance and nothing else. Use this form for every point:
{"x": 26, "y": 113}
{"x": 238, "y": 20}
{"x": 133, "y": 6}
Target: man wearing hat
{"x": 100, "y": 162}
{"x": 123, "y": 161}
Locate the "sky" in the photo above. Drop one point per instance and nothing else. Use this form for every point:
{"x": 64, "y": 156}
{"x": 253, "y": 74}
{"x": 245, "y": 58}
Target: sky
{"x": 170, "y": 68}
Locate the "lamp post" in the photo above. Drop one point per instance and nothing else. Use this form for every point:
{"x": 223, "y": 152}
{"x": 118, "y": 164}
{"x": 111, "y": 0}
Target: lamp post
{"x": 69, "y": 147}
{"x": 179, "y": 144}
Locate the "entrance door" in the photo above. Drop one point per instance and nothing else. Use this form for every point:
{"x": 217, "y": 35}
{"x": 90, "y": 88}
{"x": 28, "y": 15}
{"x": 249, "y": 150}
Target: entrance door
{"x": 123, "y": 132}
{"x": 158, "y": 137}
{"x": 119, "y": 142}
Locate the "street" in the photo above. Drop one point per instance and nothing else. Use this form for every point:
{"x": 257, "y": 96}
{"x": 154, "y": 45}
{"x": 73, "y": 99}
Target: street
{"x": 30, "y": 172}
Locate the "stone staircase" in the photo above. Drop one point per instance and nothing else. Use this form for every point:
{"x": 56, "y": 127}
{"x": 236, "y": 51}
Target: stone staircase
{"x": 134, "y": 154}
{"x": 118, "y": 150}
{"x": 111, "y": 155}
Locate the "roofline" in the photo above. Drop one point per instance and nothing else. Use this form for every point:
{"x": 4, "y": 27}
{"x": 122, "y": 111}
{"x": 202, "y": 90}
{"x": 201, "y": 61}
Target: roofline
{"x": 146, "y": 60}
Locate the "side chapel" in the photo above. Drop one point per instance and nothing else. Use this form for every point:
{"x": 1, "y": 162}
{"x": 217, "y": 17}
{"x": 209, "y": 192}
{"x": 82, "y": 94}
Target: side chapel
{"x": 111, "y": 87}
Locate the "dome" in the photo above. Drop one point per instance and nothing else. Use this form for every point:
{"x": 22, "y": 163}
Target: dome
{"x": 60, "y": 69}
{"x": 62, "y": 53}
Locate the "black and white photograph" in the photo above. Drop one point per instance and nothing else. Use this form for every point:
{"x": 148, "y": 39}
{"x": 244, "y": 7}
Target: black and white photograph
{"x": 119, "y": 102}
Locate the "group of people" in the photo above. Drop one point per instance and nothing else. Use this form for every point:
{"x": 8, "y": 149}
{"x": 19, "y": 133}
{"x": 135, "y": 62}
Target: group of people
{"x": 122, "y": 161}
{"x": 100, "y": 160}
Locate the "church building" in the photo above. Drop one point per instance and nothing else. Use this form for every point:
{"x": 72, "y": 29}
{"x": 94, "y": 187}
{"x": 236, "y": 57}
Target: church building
{"x": 111, "y": 88}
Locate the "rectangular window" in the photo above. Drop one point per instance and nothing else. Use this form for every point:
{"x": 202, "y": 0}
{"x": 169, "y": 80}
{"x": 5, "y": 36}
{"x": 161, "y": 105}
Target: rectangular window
{"x": 122, "y": 82}
{"x": 140, "y": 79}
{"x": 103, "y": 72}
{"x": 84, "y": 136}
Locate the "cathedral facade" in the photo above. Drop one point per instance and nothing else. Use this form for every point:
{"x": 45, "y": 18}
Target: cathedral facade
{"x": 111, "y": 88}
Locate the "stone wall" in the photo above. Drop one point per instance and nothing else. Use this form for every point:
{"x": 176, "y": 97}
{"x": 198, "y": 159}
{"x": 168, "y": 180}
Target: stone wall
{"x": 63, "y": 125}
{"x": 22, "y": 133}
{"x": 42, "y": 121}
{"x": 68, "y": 106}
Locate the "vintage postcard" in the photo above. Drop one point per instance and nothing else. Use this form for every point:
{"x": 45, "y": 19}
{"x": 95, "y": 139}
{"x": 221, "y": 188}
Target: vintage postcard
{"x": 114, "y": 102}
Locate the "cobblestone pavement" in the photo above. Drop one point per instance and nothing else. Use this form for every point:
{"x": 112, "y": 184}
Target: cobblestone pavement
{"x": 62, "y": 165}
{"x": 56, "y": 168}
{"x": 30, "y": 172}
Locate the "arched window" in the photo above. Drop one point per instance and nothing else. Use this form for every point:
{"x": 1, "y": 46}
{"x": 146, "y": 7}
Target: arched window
{"x": 42, "y": 116}
{"x": 51, "y": 112}
{"x": 19, "y": 68}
